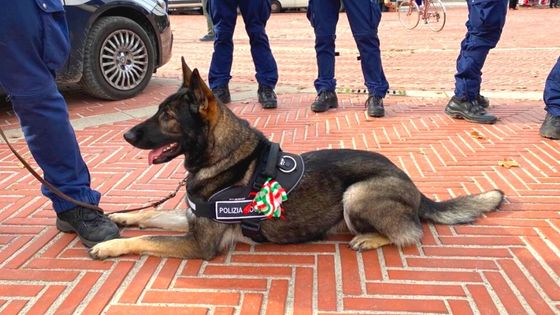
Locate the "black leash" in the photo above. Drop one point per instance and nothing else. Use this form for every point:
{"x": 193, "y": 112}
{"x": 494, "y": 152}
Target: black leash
{"x": 62, "y": 195}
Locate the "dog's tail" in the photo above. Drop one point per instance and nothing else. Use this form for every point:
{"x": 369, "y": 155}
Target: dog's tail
{"x": 463, "y": 209}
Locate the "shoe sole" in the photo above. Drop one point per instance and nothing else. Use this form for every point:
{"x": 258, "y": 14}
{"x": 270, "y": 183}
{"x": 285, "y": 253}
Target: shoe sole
{"x": 322, "y": 111}
{"x": 65, "y": 227}
{"x": 268, "y": 105}
{"x": 377, "y": 115}
{"x": 459, "y": 115}
{"x": 552, "y": 137}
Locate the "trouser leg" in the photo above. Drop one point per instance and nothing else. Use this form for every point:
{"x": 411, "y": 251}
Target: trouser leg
{"x": 364, "y": 17}
{"x": 323, "y": 15}
{"x": 484, "y": 28}
{"x": 224, "y": 18}
{"x": 551, "y": 93}
{"x": 209, "y": 24}
{"x": 255, "y": 15}
{"x": 28, "y": 59}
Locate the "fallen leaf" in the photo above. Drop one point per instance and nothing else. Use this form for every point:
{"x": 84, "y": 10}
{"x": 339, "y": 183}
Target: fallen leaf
{"x": 508, "y": 163}
{"x": 477, "y": 135}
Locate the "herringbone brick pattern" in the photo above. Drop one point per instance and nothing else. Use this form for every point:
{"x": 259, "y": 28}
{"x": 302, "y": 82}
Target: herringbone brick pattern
{"x": 506, "y": 262}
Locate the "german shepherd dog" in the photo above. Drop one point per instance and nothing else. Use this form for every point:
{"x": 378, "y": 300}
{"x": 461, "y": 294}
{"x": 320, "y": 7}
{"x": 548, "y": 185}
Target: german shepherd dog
{"x": 358, "y": 191}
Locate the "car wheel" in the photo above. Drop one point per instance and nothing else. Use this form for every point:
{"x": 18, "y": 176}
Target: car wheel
{"x": 276, "y": 6}
{"x": 118, "y": 59}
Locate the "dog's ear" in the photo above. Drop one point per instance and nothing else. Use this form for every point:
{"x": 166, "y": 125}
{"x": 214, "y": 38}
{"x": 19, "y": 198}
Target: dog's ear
{"x": 205, "y": 97}
{"x": 187, "y": 73}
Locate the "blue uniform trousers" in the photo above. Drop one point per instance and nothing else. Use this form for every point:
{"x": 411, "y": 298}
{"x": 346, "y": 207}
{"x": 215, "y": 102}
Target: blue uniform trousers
{"x": 255, "y": 14}
{"x": 33, "y": 44}
{"x": 484, "y": 28}
{"x": 364, "y": 17}
{"x": 551, "y": 93}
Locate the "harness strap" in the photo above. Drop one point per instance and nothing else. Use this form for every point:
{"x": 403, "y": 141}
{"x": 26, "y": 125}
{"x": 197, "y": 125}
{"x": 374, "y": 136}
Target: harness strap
{"x": 263, "y": 172}
{"x": 227, "y": 205}
{"x": 252, "y": 229}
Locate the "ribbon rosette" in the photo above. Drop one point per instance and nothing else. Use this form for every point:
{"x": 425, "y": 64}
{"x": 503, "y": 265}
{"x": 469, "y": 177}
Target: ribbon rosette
{"x": 268, "y": 200}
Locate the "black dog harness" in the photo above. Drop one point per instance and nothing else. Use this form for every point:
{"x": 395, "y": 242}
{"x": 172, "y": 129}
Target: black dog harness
{"x": 226, "y": 205}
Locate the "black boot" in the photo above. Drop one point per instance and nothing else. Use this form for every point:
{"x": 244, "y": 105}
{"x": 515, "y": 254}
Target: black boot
{"x": 374, "y": 106}
{"x": 483, "y": 101}
{"x": 91, "y": 226}
{"x": 551, "y": 127}
{"x": 222, "y": 93}
{"x": 267, "y": 97}
{"x": 325, "y": 101}
{"x": 470, "y": 111}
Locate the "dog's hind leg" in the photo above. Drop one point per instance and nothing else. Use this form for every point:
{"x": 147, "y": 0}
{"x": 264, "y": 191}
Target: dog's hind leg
{"x": 368, "y": 241}
{"x": 382, "y": 211}
{"x": 172, "y": 220}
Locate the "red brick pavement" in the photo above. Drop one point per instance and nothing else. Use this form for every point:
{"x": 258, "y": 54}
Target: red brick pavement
{"x": 507, "y": 262}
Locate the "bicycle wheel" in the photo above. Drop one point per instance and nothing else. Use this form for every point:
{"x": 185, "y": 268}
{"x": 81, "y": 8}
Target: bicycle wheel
{"x": 436, "y": 15}
{"x": 409, "y": 15}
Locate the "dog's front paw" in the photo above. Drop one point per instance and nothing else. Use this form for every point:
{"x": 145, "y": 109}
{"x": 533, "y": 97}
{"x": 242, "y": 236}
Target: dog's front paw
{"x": 368, "y": 241}
{"x": 111, "y": 248}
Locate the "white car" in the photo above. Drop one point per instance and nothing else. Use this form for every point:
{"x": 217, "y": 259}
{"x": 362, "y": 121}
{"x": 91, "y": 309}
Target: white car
{"x": 281, "y": 5}
{"x": 180, "y": 6}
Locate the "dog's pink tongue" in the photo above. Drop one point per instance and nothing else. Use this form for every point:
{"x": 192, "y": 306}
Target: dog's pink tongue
{"x": 154, "y": 154}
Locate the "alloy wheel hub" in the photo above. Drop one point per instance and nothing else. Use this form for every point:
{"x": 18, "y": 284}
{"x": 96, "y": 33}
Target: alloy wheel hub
{"x": 123, "y": 60}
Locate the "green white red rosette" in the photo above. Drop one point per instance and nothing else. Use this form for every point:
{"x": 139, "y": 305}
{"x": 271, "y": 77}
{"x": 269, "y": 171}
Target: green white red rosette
{"x": 268, "y": 200}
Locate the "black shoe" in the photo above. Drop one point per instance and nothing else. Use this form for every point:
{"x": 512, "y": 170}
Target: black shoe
{"x": 551, "y": 127}
{"x": 91, "y": 226}
{"x": 374, "y": 106}
{"x": 483, "y": 101}
{"x": 470, "y": 111}
{"x": 222, "y": 93}
{"x": 267, "y": 97}
{"x": 325, "y": 101}
{"x": 207, "y": 38}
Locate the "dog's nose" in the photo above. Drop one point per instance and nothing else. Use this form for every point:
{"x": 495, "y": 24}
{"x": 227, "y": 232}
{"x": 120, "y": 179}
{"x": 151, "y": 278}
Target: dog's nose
{"x": 130, "y": 136}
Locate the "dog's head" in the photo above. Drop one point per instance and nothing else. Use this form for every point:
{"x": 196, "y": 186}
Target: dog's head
{"x": 181, "y": 123}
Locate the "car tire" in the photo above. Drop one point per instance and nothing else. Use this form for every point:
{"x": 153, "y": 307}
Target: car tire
{"x": 119, "y": 59}
{"x": 275, "y": 6}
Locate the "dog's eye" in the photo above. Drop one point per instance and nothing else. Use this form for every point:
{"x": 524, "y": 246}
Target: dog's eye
{"x": 166, "y": 116}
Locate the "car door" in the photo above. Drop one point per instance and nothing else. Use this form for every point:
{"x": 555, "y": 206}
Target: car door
{"x": 287, "y": 4}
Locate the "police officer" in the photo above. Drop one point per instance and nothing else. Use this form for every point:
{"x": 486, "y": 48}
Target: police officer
{"x": 551, "y": 125}
{"x": 364, "y": 17}
{"x": 255, "y": 14}
{"x": 484, "y": 27}
{"x": 33, "y": 44}
{"x": 210, "y": 27}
